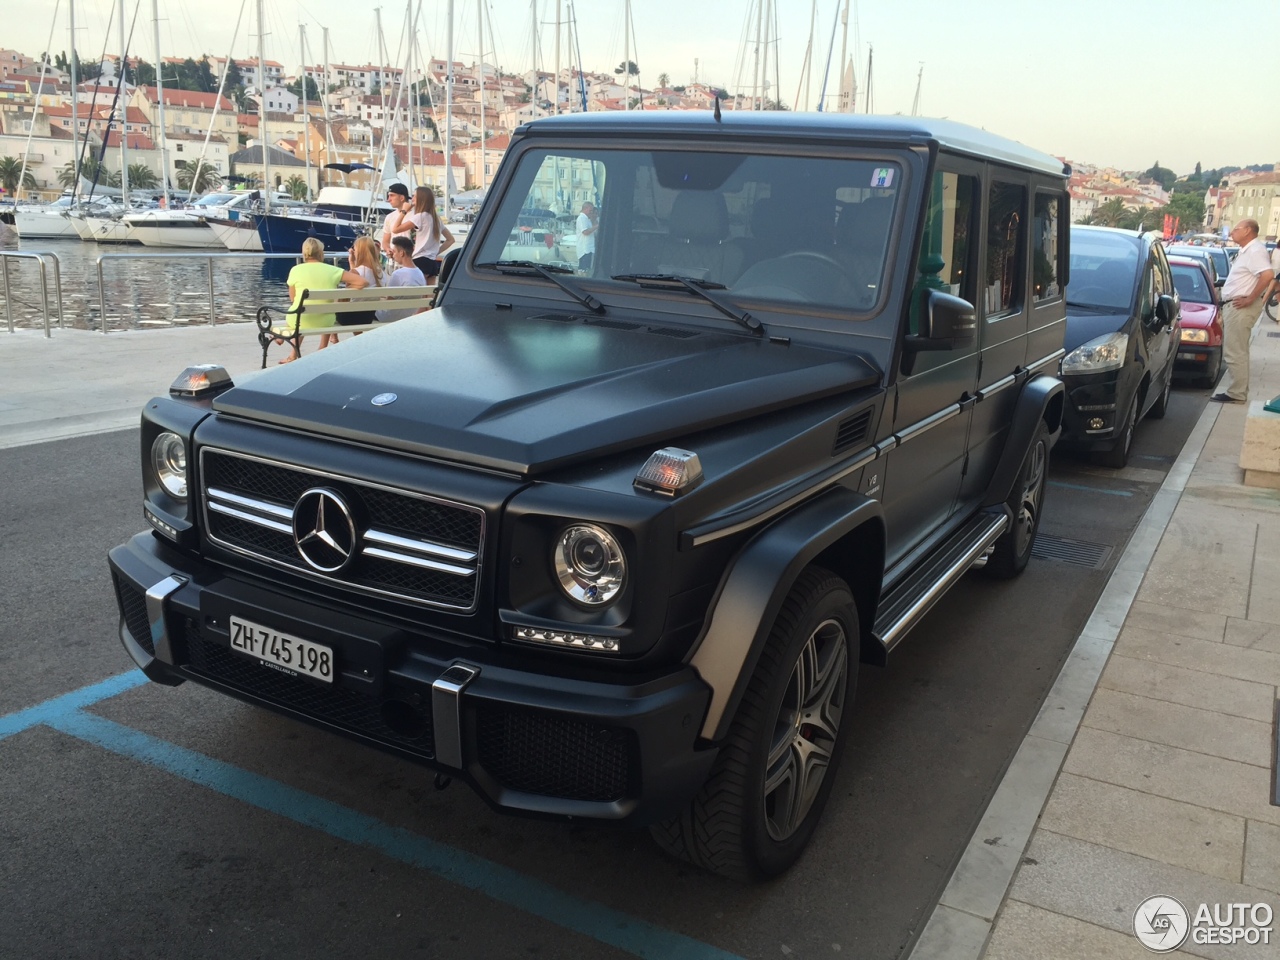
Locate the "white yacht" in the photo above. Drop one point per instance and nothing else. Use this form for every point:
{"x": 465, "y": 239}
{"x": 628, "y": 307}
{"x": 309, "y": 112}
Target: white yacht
{"x": 45, "y": 221}
{"x": 187, "y": 227}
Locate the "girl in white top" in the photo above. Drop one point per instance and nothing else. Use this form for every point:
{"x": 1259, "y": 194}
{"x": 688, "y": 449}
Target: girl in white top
{"x": 364, "y": 260}
{"x": 433, "y": 237}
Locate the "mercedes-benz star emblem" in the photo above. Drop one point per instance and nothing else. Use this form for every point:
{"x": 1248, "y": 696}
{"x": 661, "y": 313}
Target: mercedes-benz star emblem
{"x": 382, "y": 399}
{"x": 324, "y": 530}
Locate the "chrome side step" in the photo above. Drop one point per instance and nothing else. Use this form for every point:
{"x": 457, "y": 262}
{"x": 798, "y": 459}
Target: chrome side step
{"x": 905, "y": 604}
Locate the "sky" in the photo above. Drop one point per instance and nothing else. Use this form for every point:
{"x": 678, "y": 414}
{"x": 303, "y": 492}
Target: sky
{"x": 1097, "y": 81}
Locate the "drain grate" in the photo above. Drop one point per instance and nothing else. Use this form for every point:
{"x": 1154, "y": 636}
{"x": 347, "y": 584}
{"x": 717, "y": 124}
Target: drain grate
{"x": 1273, "y": 333}
{"x": 1078, "y": 552}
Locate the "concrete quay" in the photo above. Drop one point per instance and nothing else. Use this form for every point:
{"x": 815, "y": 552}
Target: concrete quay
{"x": 1150, "y": 769}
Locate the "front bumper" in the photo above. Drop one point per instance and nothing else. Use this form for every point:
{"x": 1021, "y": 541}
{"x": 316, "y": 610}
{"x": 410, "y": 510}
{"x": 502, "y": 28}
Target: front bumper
{"x": 527, "y": 742}
{"x": 1197, "y": 359}
{"x": 1095, "y": 409}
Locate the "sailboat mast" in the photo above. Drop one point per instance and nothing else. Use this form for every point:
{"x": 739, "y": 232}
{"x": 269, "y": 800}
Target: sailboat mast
{"x": 844, "y": 58}
{"x": 262, "y": 112}
{"x": 164, "y": 164}
{"x": 124, "y": 114}
{"x": 448, "y": 105}
{"x": 626, "y": 53}
{"x": 755, "y": 83}
{"x": 480, "y": 28}
{"x": 75, "y": 99}
{"x": 556, "y": 98}
{"x": 915, "y": 104}
{"x": 870, "y": 102}
{"x": 306, "y": 115}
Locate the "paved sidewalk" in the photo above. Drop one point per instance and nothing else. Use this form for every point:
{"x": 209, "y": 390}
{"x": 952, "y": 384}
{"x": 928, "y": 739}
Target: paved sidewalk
{"x": 1159, "y": 779}
{"x": 79, "y": 382}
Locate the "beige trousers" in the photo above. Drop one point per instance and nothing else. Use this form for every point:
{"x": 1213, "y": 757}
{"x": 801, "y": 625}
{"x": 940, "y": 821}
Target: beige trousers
{"x": 1237, "y": 326}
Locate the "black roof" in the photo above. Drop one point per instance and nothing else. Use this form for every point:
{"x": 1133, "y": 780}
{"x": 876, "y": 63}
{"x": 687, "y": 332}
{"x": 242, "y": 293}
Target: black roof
{"x": 895, "y": 130}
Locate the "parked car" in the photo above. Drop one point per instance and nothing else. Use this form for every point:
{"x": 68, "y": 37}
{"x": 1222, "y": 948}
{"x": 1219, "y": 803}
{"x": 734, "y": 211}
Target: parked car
{"x": 1122, "y": 339}
{"x": 611, "y": 543}
{"x": 1200, "y": 346}
{"x": 1218, "y": 256}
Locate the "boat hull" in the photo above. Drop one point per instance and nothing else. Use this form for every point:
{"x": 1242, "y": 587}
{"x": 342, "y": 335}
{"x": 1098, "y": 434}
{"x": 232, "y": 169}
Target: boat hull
{"x": 284, "y": 234}
{"x": 238, "y": 236}
{"x": 42, "y": 226}
{"x": 156, "y": 232}
{"x": 108, "y": 230}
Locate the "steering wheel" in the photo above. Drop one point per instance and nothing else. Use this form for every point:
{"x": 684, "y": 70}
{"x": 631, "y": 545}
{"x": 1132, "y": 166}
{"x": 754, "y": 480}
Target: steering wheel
{"x": 815, "y": 255}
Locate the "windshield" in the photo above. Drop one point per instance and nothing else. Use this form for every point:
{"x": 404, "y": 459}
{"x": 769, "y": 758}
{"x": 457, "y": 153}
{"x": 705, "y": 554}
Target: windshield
{"x": 214, "y": 200}
{"x": 810, "y": 230}
{"x": 1104, "y": 270}
{"x": 1191, "y": 283}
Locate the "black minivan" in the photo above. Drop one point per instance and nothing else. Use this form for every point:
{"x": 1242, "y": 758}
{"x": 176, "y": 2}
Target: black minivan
{"x": 1122, "y": 337}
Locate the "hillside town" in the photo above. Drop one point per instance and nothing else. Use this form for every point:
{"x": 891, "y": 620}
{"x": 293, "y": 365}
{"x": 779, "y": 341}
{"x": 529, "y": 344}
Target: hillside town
{"x": 355, "y": 114}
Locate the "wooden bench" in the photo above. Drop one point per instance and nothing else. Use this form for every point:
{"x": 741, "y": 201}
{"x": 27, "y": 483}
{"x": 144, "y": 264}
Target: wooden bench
{"x": 314, "y": 302}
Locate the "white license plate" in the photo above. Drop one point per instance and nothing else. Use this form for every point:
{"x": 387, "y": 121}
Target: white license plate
{"x": 282, "y": 651}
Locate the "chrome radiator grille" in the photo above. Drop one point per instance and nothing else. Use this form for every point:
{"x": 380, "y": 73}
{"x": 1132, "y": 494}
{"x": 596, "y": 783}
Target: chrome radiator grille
{"x": 402, "y": 544}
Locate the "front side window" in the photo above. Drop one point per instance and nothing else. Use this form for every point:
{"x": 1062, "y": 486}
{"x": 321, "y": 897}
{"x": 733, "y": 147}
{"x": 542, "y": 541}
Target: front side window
{"x": 799, "y": 230}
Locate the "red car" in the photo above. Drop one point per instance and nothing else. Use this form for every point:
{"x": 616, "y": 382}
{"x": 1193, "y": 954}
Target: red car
{"x": 1200, "y": 351}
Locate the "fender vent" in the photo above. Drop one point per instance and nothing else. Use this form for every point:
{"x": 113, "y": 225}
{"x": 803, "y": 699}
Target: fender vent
{"x": 852, "y": 430}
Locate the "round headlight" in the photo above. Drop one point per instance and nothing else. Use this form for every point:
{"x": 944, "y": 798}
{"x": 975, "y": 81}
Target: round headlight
{"x": 590, "y": 564}
{"x": 169, "y": 460}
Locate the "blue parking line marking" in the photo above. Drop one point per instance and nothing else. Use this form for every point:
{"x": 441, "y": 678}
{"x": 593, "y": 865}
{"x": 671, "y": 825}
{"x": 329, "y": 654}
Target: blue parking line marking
{"x": 56, "y": 706}
{"x": 497, "y": 882}
{"x": 1082, "y": 486}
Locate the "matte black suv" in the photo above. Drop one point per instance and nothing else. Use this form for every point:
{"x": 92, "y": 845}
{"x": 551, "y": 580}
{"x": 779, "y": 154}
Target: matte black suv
{"x": 611, "y": 542}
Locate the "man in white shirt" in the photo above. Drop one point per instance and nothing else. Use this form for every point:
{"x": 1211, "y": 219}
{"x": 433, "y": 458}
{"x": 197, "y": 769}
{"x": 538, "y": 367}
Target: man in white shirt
{"x": 587, "y": 227}
{"x": 397, "y": 196}
{"x": 405, "y": 275}
{"x": 1243, "y": 296}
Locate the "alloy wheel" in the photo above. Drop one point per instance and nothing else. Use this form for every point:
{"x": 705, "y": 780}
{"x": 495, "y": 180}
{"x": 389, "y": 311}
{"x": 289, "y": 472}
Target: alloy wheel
{"x": 1032, "y": 496}
{"x": 806, "y": 729}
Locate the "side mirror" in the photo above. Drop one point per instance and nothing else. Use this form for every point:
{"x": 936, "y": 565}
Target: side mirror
{"x": 946, "y": 323}
{"x": 1219, "y": 282}
{"x": 447, "y": 265}
{"x": 1166, "y": 310}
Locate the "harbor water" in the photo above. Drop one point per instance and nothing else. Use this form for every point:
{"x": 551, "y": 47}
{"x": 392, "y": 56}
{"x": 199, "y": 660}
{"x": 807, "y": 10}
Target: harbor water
{"x": 158, "y": 291}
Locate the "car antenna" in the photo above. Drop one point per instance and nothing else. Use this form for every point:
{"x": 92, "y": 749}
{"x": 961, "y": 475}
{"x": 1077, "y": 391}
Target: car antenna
{"x": 717, "y": 109}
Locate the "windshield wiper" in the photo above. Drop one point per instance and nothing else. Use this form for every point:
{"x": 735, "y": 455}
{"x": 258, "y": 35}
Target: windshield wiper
{"x": 525, "y": 268}
{"x": 700, "y": 287}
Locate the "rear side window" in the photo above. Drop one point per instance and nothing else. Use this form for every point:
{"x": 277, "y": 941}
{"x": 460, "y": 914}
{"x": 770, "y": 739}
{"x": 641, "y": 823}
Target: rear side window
{"x": 1046, "y": 248}
{"x": 948, "y": 233}
{"x": 1006, "y": 223}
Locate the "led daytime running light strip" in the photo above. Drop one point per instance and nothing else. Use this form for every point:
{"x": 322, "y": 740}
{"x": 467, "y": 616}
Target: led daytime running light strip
{"x": 581, "y": 641}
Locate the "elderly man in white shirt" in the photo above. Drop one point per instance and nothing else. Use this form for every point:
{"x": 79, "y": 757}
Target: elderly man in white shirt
{"x": 1243, "y": 296}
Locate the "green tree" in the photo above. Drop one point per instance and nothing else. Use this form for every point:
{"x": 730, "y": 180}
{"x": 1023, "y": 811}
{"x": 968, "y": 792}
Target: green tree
{"x": 142, "y": 74}
{"x": 237, "y": 95}
{"x": 67, "y": 175}
{"x": 1161, "y": 175}
{"x": 1109, "y": 214}
{"x": 1188, "y": 207}
{"x": 142, "y": 177}
{"x": 664, "y": 80}
{"x": 12, "y": 175}
{"x": 297, "y": 187}
{"x": 628, "y": 67}
{"x": 313, "y": 91}
{"x": 207, "y": 178}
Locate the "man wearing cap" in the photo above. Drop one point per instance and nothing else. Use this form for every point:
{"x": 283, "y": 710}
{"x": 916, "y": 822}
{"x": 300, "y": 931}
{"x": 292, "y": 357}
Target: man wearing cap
{"x": 397, "y": 195}
{"x": 1243, "y": 295}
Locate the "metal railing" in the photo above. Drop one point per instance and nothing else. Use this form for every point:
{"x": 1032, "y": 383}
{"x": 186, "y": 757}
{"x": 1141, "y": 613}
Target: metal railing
{"x": 212, "y": 258}
{"x": 40, "y": 258}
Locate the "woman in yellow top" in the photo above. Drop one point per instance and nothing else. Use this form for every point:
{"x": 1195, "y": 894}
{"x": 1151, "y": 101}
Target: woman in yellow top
{"x": 314, "y": 274}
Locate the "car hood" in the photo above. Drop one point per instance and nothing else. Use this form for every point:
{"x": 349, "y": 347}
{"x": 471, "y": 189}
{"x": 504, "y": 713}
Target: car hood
{"x": 1199, "y": 315}
{"x": 1086, "y": 325}
{"x": 526, "y": 394}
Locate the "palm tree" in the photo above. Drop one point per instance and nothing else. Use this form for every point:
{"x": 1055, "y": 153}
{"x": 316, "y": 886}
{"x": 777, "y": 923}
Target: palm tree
{"x": 142, "y": 177}
{"x": 207, "y": 179}
{"x": 67, "y": 175}
{"x": 1109, "y": 214}
{"x": 297, "y": 187}
{"x": 664, "y": 81}
{"x": 11, "y": 173}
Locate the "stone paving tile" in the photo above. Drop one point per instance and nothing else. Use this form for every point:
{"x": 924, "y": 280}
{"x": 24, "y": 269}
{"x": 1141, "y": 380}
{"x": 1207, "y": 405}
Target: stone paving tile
{"x": 1240, "y": 789}
{"x": 1103, "y": 886}
{"x": 1024, "y": 931}
{"x": 1166, "y": 830}
{"x": 1264, "y": 595}
{"x": 1204, "y": 561}
{"x": 1235, "y": 738}
{"x": 1253, "y": 634}
{"x": 1164, "y": 618}
{"x": 1191, "y": 688}
{"x": 1262, "y": 856}
{"x": 951, "y": 935}
{"x": 1223, "y": 659}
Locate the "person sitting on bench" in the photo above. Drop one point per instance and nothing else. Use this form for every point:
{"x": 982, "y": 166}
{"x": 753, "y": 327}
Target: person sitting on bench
{"x": 314, "y": 274}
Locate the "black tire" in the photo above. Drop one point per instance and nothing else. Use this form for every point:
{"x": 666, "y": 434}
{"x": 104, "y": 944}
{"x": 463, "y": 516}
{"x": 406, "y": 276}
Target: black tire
{"x": 1270, "y": 306}
{"x": 1118, "y": 455}
{"x": 1012, "y": 552}
{"x": 746, "y": 822}
{"x": 1211, "y": 378}
{"x": 1161, "y": 406}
